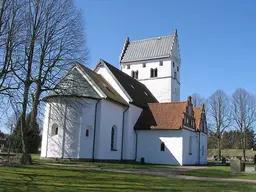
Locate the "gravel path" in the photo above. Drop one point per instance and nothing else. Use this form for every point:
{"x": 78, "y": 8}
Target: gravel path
{"x": 168, "y": 172}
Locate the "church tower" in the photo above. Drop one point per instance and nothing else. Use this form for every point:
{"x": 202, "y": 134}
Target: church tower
{"x": 156, "y": 63}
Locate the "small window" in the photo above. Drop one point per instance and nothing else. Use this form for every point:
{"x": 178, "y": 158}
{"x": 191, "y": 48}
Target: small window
{"x": 162, "y": 146}
{"x": 55, "y": 129}
{"x": 146, "y": 93}
{"x": 143, "y": 65}
{"x": 128, "y": 66}
{"x": 190, "y": 145}
{"x": 173, "y": 64}
{"x": 87, "y": 132}
{"x": 178, "y": 68}
{"x": 135, "y": 74}
{"x": 161, "y": 63}
{"x": 175, "y": 75}
{"x": 114, "y": 138}
{"x": 202, "y": 150}
{"x": 153, "y": 72}
{"x": 132, "y": 86}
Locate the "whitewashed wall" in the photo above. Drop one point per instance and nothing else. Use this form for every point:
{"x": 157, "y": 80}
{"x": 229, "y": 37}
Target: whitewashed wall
{"x": 72, "y": 118}
{"x": 109, "y": 114}
{"x": 45, "y": 130}
{"x": 190, "y": 159}
{"x": 163, "y": 87}
{"x": 149, "y": 145}
{"x": 131, "y": 117}
{"x": 203, "y": 143}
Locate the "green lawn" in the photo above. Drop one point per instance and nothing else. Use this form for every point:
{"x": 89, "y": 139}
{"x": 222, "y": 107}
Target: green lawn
{"x": 217, "y": 171}
{"x": 113, "y": 165}
{"x": 53, "y": 178}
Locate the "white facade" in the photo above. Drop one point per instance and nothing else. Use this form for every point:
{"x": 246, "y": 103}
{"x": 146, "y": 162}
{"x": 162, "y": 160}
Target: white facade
{"x": 101, "y": 128}
{"x": 178, "y": 148}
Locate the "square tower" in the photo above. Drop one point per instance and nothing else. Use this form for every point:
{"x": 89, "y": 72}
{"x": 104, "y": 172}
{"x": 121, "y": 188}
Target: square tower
{"x": 156, "y": 63}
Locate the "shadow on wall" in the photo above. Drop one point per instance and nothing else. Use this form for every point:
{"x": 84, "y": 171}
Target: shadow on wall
{"x": 158, "y": 148}
{"x": 65, "y": 113}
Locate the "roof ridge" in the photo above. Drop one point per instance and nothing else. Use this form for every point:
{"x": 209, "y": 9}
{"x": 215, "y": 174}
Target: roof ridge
{"x": 150, "y": 38}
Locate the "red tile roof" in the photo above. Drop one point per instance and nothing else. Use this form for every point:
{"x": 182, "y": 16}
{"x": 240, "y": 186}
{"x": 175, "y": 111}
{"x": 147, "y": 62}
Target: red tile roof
{"x": 166, "y": 116}
{"x": 162, "y": 116}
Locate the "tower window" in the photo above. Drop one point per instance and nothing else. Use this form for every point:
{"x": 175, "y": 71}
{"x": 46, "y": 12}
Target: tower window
{"x": 143, "y": 65}
{"x": 162, "y": 146}
{"x": 153, "y": 72}
{"x": 178, "y": 68}
{"x": 173, "y": 64}
{"x": 175, "y": 75}
{"x": 161, "y": 63}
{"x": 128, "y": 66}
{"x": 135, "y": 74}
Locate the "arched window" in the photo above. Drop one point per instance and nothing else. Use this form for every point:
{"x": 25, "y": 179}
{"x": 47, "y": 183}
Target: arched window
{"x": 190, "y": 145}
{"x": 162, "y": 146}
{"x": 202, "y": 150}
{"x": 55, "y": 129}
{"x": 114, "y": 138}
{"x": 175, "y": 75}
{"x": 87, "y": 132}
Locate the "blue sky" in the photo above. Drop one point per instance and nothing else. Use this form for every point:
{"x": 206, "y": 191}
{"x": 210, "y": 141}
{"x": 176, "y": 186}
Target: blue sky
{"x": 217, "y": 38}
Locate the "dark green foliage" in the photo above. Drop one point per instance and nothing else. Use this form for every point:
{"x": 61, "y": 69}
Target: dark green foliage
{"x": 33, "y": 137}
{"x": 232, "y": 140}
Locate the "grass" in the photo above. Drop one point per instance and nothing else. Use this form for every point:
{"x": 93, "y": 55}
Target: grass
{"x": 54, "y": 178}
{"x": 113, "y": 165}
{"x": 217, "y": 171}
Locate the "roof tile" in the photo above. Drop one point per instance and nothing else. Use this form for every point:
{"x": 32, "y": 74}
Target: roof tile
{"x": 151, "y": 48}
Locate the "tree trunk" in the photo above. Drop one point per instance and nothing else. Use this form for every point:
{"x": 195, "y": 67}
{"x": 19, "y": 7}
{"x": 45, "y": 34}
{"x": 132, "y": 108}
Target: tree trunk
{"x": 35, "y": 107}
{"x": 25, "y": 158}
{"x": 244, "y": 143}
{"x": 219, "y": 149}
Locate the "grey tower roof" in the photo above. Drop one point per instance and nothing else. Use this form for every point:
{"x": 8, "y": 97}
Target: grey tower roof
{"x": 152, "y": 48}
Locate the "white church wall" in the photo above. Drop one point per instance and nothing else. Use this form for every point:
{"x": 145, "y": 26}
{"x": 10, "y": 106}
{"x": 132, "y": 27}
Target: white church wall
{"x": 108, "y": 77}
{"x": 203, "y": 149}
{"x": 111, "y": 115}
{"x": 163, "y": 87}
{"x": 131, "y": 117}
{"x": 72, "y": 119}
{"x": 45, "y": 131}
{"x": 86, "y": 119}
{"x": 54, "y": 141}
{"x": 149, "y": 146}
{"x": 190, "y": 152}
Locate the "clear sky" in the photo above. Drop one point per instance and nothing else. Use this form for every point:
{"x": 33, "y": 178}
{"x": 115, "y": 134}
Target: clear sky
{"x": 217, "y": 38}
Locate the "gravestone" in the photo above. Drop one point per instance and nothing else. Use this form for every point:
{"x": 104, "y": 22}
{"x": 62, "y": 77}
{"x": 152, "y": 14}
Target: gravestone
{"x": 235, "y": 167}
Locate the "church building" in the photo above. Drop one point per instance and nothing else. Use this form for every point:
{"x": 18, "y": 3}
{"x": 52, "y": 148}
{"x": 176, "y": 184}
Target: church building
{"x": 129, "y": 113}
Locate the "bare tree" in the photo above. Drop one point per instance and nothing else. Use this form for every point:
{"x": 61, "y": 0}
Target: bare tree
{"x": 220, "y": 116}
{"x": 244, "y": 113}
{"x": 50, "y": 40}
{"x": 9, "y": 28}
{"x": 197, "y": 100}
